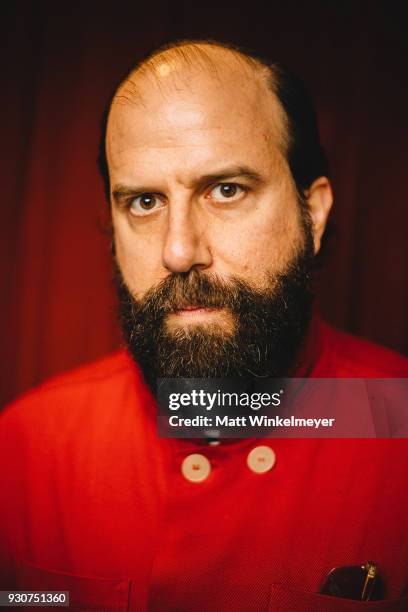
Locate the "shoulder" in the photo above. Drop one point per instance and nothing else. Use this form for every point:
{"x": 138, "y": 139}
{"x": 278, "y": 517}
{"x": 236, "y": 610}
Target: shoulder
{"x": 103, "y": 371}
{"x": 84, "y": 387}
{"x": 349, "y": 356}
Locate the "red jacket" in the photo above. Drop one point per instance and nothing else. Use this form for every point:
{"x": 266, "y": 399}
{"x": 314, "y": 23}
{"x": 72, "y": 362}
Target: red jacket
{"x": 93, "y": 502}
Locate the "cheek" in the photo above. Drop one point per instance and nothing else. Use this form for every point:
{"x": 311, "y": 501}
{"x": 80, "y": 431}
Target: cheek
{"x": 261, "y": 242}
{"x": 137, "y": 257}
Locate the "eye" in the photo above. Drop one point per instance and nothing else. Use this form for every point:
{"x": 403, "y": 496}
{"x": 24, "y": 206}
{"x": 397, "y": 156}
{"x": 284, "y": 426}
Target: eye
{"x": 144, "y": 203}
{"x": 226, "y": 191}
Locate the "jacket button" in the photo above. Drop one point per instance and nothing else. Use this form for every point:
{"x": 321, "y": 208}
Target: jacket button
{"x": 196, "y": 468}
{"x": 261, "y": 459}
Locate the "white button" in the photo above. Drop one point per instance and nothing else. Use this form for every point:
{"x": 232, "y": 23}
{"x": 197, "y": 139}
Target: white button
{"x": 196, "y": 468}
{"x": 261, "y": 459}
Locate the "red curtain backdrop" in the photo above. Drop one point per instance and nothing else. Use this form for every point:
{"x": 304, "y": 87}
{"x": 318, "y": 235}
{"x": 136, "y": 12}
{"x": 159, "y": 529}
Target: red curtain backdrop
{"x": 60, "y": 65}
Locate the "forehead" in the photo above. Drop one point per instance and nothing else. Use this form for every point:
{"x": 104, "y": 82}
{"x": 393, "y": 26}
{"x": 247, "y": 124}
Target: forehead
{"x": 194, "y": 114}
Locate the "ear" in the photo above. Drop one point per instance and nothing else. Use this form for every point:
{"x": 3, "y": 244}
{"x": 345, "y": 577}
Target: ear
{"x": 319, "y": 197}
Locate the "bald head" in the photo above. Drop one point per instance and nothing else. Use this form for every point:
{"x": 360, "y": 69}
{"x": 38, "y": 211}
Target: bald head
{"x": 261, "y": 87}
{"x": 197, "y": 100}
{"x": 186, "y": 59}
{"x": 211, "y": 75}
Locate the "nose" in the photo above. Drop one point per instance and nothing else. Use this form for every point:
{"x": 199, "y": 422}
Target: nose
{"x": 185, "y": 244}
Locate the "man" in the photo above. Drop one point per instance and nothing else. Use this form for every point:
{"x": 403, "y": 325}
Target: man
{"x": 219, "y": 197}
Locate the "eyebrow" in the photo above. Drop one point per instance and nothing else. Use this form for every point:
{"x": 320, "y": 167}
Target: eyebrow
{"x": 231, "y": 172}
{"x": 120, "y": 191}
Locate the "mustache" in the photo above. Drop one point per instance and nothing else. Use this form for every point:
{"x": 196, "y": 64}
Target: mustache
{"x": 195, "y": 289}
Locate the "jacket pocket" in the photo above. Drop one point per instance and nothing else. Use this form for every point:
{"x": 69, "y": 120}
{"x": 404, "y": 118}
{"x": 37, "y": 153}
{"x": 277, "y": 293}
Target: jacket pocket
{"x": 283, "y": 598}
{"x": 84, "y": 593}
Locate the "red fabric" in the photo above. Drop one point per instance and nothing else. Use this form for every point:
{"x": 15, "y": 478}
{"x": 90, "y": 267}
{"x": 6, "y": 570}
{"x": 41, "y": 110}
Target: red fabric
{"x": 61, "y": 61}
{"x": 95, "y": 503}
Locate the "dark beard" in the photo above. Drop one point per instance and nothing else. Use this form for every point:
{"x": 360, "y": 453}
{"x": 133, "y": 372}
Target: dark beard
{"x": 268, "y": 325}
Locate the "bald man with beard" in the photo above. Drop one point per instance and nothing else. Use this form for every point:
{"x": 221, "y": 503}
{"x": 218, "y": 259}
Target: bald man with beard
{"x": 219, "y": 193}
